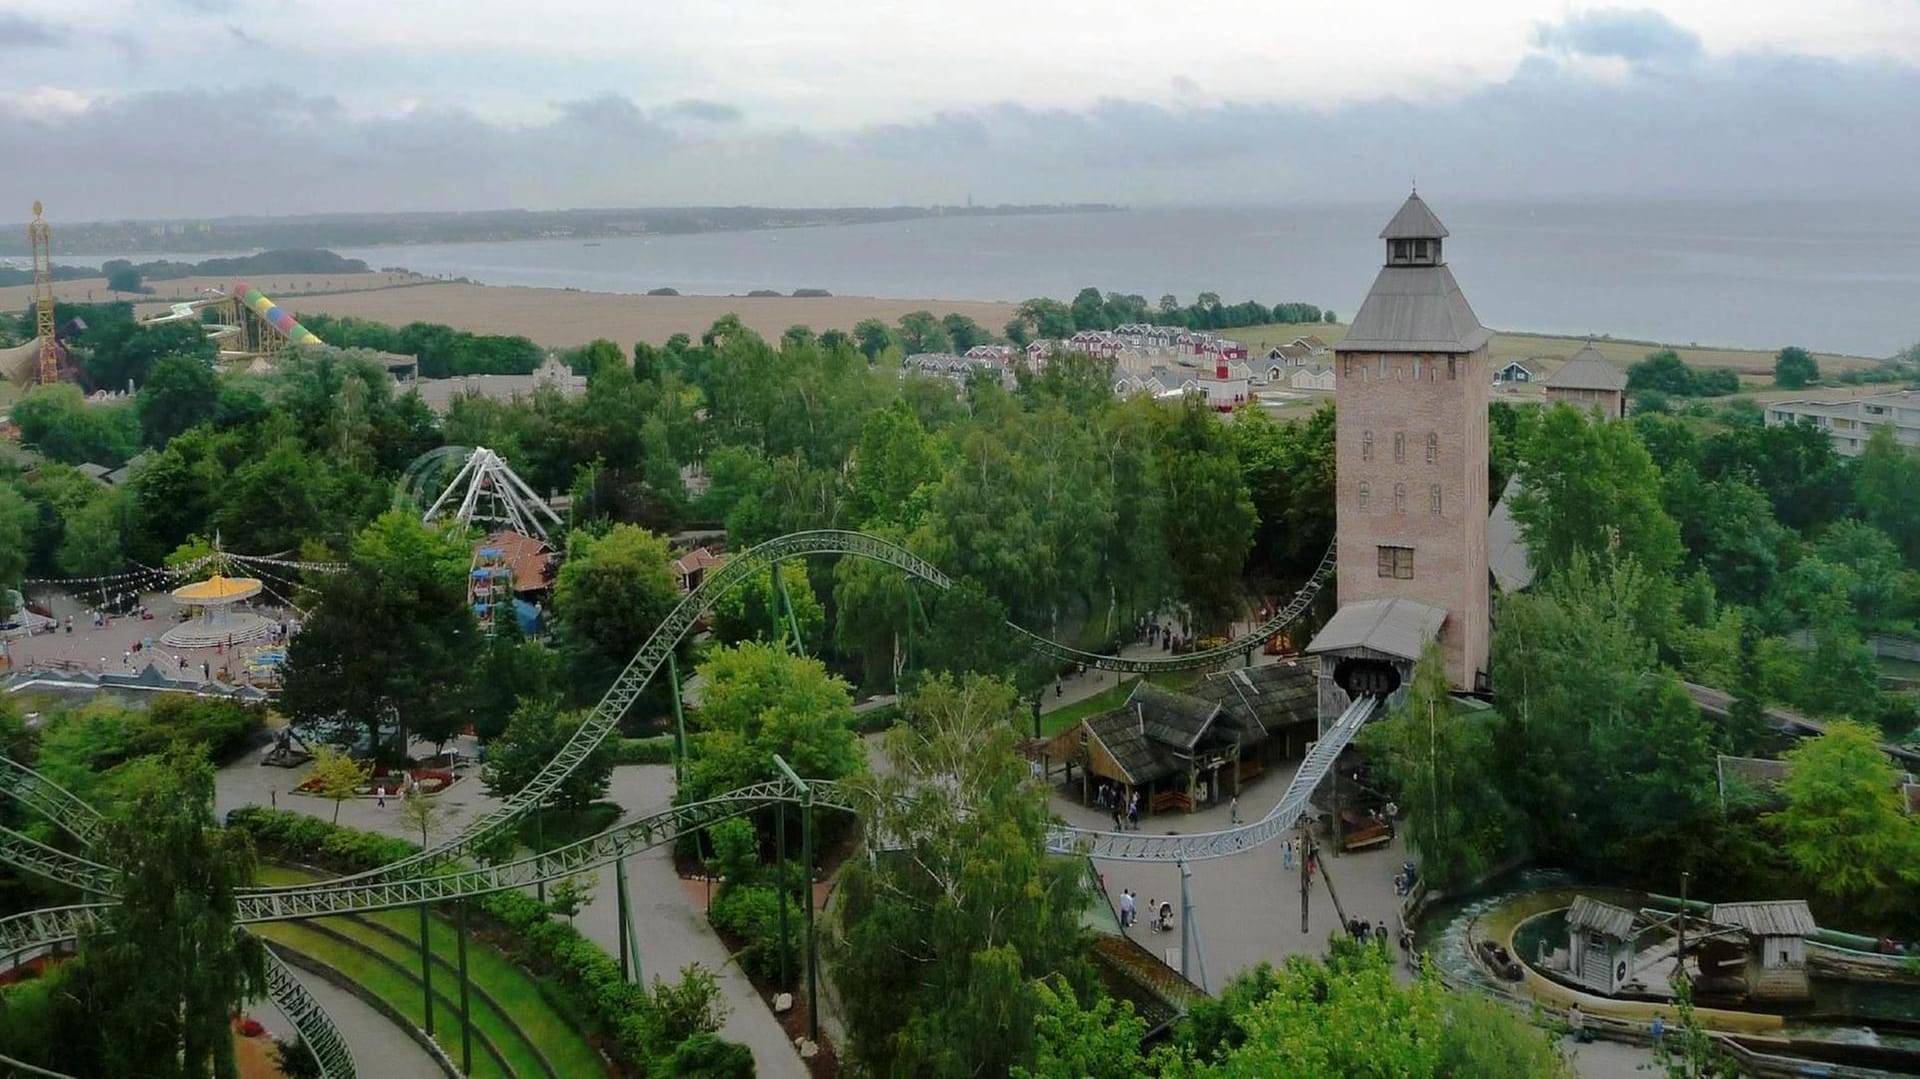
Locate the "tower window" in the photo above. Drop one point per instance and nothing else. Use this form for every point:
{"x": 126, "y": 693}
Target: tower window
{"x": 1349, "y": 365}
{"x": 1396, "y": 562}
{"x": 1401, "y": 251}
{"x": 1420, "y": 249}
{"x": 1366, "y": 495}
{"x": 1452, "y": 367}
{"x": 1433, "y": 500}
{"x": 1399, "y": 447}
{"x": 1433, "y": 448}
{"x": 1416, "y": 368}
{"x": 1366, "y": 446}
{"x": 1399, "y": 498}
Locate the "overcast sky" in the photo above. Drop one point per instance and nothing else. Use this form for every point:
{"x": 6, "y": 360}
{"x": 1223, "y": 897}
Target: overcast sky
{"x": 113, "y": 108}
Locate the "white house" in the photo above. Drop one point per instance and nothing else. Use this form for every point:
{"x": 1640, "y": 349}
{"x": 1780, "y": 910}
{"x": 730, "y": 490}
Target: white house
{"x": 1316, "y": 379}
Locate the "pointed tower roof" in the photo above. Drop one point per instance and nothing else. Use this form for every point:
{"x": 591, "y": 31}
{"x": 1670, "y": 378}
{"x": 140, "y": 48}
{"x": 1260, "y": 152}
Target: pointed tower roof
{"x": 1415, "y": 305}
{"x": 1587, "y": 369}
{"x": 1414, "y": 222}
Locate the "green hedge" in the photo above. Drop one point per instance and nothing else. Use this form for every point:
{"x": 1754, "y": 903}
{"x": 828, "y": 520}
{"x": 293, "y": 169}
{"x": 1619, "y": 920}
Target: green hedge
{"x": 637, "y": 1035}
{"x": 655, "y": 750}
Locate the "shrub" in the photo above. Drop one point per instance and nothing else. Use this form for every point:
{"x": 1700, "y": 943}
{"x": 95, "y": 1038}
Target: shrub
{"x": 655, "y": 750}
{"x": 663, "y": 292}
{"x": 810, "y": 293}
{"x": 752, "y": 913}
{"x": 708, "y": 1056}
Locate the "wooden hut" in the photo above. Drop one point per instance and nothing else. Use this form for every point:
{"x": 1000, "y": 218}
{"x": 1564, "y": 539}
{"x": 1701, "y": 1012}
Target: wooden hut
{"x": 1776, "y": 945}
{"x": 1175, "y": 751}
{"x": 1599, "y": 944}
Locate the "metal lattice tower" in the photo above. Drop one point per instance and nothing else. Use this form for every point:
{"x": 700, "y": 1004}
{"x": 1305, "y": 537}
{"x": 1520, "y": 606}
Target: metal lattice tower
{"x": 41, "y": 238}
{"x": 492, "y": 493}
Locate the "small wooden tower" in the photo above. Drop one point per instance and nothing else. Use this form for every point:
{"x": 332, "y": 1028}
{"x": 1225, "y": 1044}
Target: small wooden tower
{"x": 1776, "y": 945}
{"x": 1599, "y": 944}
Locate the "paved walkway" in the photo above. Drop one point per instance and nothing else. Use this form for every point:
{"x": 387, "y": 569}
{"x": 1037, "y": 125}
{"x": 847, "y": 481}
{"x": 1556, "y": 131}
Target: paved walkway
{"x": 379, "y": 1047}
{"x": 671, "y": 927}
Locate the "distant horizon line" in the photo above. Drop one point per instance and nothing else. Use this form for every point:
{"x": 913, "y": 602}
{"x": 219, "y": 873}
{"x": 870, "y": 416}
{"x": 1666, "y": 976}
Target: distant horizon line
{"x": 985, "y": 208}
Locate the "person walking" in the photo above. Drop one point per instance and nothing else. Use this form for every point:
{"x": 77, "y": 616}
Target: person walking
{"x": 1128, "y": 910}
{"x": 1286, "y": 854}
{"x": 1133, "y": 812}
{"x": 1233, "y": 810}
{"x": 1116, "y": 815}
{"x": 379, "y": 797}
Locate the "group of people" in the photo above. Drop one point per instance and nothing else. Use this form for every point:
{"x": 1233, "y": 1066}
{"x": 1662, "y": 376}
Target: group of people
{"x": 1160, "y": 911}
{"x": 1152, "y": 632}
{"x": 1125, "y": 808}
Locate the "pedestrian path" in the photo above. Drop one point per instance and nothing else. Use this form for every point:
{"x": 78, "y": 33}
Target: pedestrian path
{"x": 672, "y": 931}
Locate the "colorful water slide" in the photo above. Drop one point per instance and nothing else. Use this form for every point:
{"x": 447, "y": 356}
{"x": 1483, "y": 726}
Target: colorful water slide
{"x": 273, "y": 315}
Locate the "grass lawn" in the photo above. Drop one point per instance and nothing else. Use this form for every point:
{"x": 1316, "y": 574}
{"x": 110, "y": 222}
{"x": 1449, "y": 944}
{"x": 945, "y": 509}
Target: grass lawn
{"x": 1052, "y": 723}
{"x": 512, "y": 988}
{"x": 399, "y": 991}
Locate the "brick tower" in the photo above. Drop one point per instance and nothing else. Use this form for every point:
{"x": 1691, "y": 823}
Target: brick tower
{"x": 1411, "y": 383}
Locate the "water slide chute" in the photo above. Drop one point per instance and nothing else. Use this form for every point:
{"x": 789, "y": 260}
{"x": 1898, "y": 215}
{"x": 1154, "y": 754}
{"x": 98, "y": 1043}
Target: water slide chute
{"x": 272, "y": 315}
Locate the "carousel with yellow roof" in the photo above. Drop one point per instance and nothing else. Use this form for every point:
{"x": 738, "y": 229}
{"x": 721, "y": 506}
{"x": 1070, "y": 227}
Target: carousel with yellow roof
{"x": 214, "y": 614}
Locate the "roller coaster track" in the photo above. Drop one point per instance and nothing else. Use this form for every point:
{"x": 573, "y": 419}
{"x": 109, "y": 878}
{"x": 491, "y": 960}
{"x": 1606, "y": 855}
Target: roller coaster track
{"x": 646, "y": 663}
{"x": 431, "y": 876}
{"x": 73, "y": 815}
{"x": 43, "y": 927}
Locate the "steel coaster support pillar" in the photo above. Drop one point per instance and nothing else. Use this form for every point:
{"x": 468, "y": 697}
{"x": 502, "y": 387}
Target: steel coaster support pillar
{"x": 780, "y": 874}
{"x": 806, "y": 888}
{"x": 466, "y": 1013}
{"x": 539, "y": 847}
{"x": 426, "y": 966}
{"x": 679, "y": 722}
{"x": 786, "y": 602}
{"x": 629, "y": 943}
{"x": 1190, "y": 933}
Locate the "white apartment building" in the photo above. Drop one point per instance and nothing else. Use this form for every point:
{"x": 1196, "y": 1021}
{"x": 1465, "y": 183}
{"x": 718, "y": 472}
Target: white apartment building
{"x": 1851, "y": 422}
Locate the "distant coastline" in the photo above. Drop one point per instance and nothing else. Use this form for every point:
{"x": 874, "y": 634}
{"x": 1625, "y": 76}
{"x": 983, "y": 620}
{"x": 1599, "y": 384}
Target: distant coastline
{"x": 133, "y": 239}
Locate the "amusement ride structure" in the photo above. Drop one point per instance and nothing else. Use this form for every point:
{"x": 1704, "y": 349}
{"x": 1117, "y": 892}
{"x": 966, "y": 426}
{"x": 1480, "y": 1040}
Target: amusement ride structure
{"x": 434, "y": 875}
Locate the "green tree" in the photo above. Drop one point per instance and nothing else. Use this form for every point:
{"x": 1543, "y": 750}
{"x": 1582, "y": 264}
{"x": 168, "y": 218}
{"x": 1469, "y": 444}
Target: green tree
{"x": 1588, "y": 485}
{"x": 964, "y": 332}
{"x": 336, "y": 776}
{"x": 759, "y": 700}
{"x": 535, "y": 736}
{"x": 610, "y": 594}
{"x": 180, "y": 392}
{"x": 58, "y": 421}
{"x": 124, "y": 279}
{"x": 1794, "y": 367}
{"x": 90, "y": 538}
{"x": 391, "y": 639}
{"x": 117, "y": 353}
{"x": 949, "y": 935}
{"x": 921, "y": 332}
{"x": 1208, "y": 516}
{"x": 1842, "y": 826}
{"x": 1348, "y": 1017}
{"x": 895, "y": 457}
{"x": 1100, "y": 1040}
{"x": 1440, "y": 758}
{"x": 754, "y": 611}
{"x": 165, "y": 969}
{"x": 17, "y": 521}
{"x": 1888, "y": 475}
{"x": 873, "y": 337}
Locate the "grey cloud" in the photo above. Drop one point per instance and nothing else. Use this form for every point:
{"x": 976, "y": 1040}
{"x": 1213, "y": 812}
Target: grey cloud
{"x": 711, "y": 112}
{"x": 1761, "y": 125}
{"x": 22, "y": 32}
{"x": 1635, "y": 35}
{"x": 240, "y": 35}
